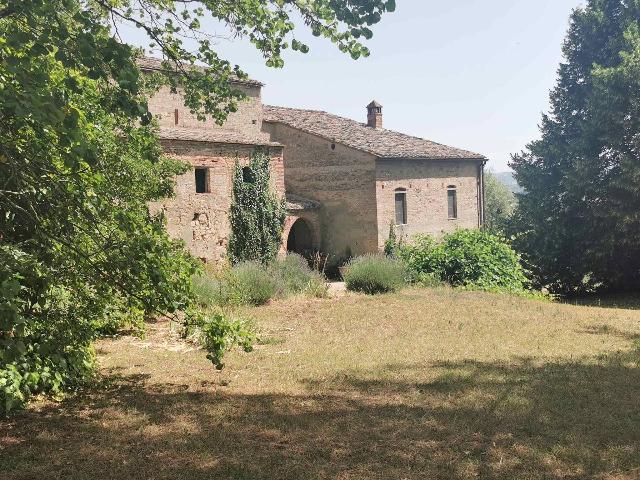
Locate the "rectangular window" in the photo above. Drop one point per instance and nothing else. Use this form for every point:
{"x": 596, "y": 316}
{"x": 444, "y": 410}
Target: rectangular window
{"x": 401, "y": 208}
{"x": 202, "y": 180}
{"x": 452, "y": 200}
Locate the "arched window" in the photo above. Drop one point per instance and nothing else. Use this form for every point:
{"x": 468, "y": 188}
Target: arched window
{"x": 401, "y": 206}
{"x": 452, "y": 202}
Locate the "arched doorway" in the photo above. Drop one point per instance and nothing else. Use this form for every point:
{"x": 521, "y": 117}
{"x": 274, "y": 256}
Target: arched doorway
{"x": 300, "y": 239}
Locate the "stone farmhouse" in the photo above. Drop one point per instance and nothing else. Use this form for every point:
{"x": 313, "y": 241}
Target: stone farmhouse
{"x": 344, "y": 181}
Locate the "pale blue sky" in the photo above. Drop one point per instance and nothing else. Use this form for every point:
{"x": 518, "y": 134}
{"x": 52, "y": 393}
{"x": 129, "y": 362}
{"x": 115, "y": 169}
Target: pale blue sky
{"x": 468, "y": 73}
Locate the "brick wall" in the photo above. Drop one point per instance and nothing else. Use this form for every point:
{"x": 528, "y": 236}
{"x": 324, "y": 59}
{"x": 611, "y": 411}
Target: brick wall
{"x": 201, "y": 219}
{"x": 341, "y": 179}
{"x": 247, "y": 119}
{"x": 426, "y": 182}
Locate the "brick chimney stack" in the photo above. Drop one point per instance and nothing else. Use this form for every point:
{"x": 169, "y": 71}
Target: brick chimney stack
{"x": 374, "y": 115}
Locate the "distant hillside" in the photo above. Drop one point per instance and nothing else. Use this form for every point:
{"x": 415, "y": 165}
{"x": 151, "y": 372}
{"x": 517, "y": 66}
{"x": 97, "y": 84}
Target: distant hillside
{"x": 509, "y": 181}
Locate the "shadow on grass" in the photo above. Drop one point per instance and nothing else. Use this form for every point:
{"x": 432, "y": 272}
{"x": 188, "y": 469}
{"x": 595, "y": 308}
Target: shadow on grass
{"x": 524, "y": 419}
{"x": 625, "y": 301}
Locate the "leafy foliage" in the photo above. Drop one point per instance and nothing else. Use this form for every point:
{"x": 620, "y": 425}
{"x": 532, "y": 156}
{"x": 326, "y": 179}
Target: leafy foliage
{"x": 470, "y": 258}
{"x": 79, "y": 163}
{"x": 391, "y": 243}
{"x": 218, "y": 333}
{"x": 257, "y": 215}
{"x": 76, "y": 171}
{"x": 373, "y": 274}
{"x": 578, "y": 221}
{"x": 499, "y": 201}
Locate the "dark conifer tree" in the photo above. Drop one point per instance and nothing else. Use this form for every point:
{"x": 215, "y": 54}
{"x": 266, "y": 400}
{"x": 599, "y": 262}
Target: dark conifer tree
{"x": 578, "y": 221}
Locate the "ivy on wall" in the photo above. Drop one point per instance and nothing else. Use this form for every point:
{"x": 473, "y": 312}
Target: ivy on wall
{"x": 257, "y": 215}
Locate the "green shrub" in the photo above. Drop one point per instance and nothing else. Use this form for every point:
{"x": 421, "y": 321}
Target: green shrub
{"x": 374, "y": 274}
{"x": 119, "y": 317}
{"x": 219, "y": 333}
{"x": 251, "y": 284}
{"x": 422, "y": 256}
{"x": 295, "y": 276}
{"x": 211, "y": 290}
{"x": 470, "y": 258}
{"x": 293, "y": 273}
{"x": 391, "y": 244}
{"x": 317, "y": 286}
{"x": 428, "y": 280}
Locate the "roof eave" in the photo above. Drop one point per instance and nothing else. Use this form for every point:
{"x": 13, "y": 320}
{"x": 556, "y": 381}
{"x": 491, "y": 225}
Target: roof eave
{"x": 223, "y": 142}
{"x": 479, "y": 158}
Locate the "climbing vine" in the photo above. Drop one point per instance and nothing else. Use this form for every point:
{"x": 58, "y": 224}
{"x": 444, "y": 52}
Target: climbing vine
{"x": 257, "y": 214}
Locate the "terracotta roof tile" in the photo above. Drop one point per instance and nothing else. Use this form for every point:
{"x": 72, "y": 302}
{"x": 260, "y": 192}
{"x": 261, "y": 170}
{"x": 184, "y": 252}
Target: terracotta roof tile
{"x": 380, "y": 142}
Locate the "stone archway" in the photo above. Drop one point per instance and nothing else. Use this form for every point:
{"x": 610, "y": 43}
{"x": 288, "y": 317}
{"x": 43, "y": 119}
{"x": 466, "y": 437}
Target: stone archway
{"x": 300, "y": 238}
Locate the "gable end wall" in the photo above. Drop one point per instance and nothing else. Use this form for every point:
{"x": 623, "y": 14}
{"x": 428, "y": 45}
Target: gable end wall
{"x": 341, "y": 179}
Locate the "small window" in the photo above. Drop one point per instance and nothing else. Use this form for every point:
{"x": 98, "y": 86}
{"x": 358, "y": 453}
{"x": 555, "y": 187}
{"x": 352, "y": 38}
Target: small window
{"x": 452, "y": 202}
{"x": 202, "y": 180}
{"x": 401, "y": 206}
{"x": 247, "y": 175}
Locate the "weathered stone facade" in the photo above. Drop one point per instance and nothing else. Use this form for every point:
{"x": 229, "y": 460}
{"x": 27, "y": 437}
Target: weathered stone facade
{"x": 341, "y": 180}
{"x": 426, "y": 184}
{"x": 345, "y": 167}
{"x": 340, "y": 177}
{"x": 202, "y": 219}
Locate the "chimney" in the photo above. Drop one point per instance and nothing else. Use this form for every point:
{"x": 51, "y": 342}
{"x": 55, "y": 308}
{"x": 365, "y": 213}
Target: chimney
{"x": 374, "y": 115}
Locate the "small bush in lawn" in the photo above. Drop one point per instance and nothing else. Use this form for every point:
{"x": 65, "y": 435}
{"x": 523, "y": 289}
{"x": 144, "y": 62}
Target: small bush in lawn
{"x": 251, "y": 284}
{"x": 211, "y": 290}
{"x": 219, "y": 333}
{"x": 374, "y": 274}
{"x": 317, "y": 286}
{"x": 295, "y": 276}
{"x": 293, "y": 272}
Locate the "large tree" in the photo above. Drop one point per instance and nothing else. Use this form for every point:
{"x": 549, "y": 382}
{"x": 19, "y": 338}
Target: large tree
{"x": 499, "y": 202}
{"x": 578, "y": 220}
{"x": 79, "y": 162}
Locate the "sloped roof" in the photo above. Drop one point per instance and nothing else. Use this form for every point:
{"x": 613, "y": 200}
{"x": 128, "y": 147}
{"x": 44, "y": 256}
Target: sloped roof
{"x": 155, "y": 64}
{"x": 377, "y": 141}
{"x": 214, "y": 135}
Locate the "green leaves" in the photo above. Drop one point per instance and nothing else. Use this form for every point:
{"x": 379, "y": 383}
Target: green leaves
{"x": 257, "y": 215}
{"x": 80, "y": 166}
{"x": 578, "y": 221}
{"x": 499, "y": 201}
{"x": 470, "y": 258}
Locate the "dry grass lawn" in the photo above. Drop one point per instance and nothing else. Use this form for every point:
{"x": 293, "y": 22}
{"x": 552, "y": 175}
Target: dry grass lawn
{"x": 424, "y": 384}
